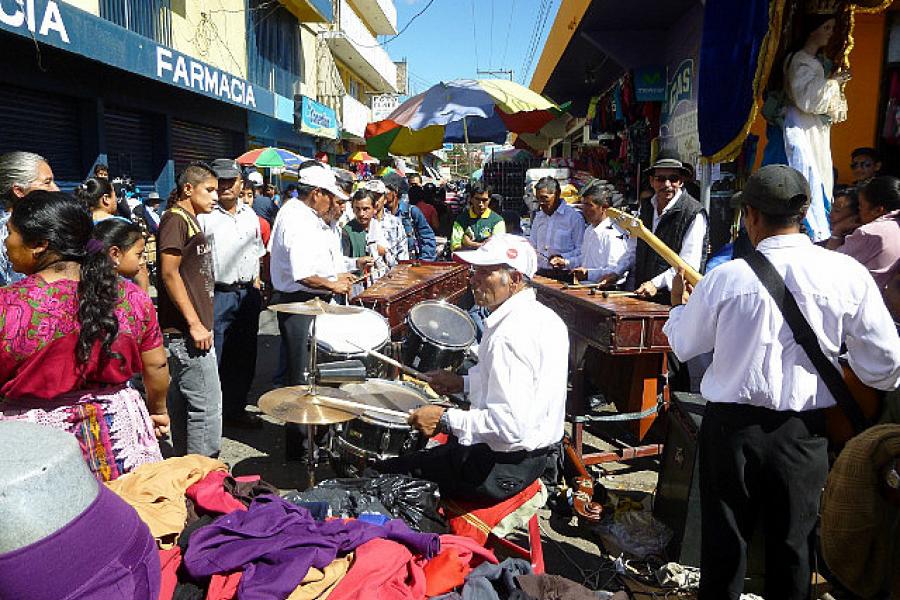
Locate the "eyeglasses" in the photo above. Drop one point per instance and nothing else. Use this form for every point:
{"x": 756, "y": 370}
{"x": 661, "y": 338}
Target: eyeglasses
{"x": 861, "y": 164}
{"x": 665, "y": 178}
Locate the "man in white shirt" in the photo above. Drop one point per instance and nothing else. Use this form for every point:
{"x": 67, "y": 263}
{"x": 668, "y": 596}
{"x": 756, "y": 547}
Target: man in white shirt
{"x": 233, "y": 230}
{"x": 390, "y": 227}
{"x": 305, "y": 257}
{"x": 761, "y": 445}
{"x": 604, "y": 248}
{"x": 517, "y": 390}
{"x": 678, "y": 220}
{"x": 557, "y": 228}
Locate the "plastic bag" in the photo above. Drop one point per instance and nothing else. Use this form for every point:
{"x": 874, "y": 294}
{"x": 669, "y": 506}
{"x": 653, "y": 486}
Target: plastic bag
{"x": 415, "y": 501}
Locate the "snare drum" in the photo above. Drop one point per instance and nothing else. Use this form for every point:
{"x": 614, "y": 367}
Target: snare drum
{"x": 374, "y": 435}
{"x": 366, "y": 328}
{"x": 438, "y": 336}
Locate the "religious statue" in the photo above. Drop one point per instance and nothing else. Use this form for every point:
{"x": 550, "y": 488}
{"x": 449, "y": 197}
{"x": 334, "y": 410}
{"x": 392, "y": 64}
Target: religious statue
{"x": 814, "y": 100}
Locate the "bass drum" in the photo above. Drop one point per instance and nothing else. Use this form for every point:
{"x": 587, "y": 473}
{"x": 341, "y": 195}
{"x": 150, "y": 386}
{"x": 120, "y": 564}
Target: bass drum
{"x": 438, "y": 335}
{"x": 373, "y": 435}
{"x": 366, "y": 329}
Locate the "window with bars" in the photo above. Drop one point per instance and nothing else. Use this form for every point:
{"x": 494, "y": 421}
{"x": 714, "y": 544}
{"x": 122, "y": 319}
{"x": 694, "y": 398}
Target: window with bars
{"x": 274, "y": 50}
{"x": 149, "y": 18}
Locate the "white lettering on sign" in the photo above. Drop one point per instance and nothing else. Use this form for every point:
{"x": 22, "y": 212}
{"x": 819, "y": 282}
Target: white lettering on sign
{"x": 195, "y": 75}
{"x": 25, "y": 15}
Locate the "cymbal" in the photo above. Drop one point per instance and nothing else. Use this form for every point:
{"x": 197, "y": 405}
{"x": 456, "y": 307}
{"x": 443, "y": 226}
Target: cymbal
{"x": 314, "y": 308}
{"x": 296, "y": 405}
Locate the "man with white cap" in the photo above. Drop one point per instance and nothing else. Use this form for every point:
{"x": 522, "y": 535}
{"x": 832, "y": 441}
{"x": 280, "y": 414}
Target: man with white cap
{"x": 517, "y": 390}
{"x": 303, "y": 260}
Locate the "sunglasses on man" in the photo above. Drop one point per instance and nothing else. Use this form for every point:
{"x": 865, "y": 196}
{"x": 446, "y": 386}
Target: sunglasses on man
{"x": 665, "y": 178}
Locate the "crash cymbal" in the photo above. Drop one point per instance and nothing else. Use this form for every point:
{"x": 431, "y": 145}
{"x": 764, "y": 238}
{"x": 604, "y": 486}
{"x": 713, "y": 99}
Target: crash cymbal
{"x": 314, "y": 308}
{"x": 296, "y": 405}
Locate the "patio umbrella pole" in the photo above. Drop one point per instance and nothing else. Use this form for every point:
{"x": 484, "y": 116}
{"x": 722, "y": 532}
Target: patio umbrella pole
{"x": 466, "y": 138}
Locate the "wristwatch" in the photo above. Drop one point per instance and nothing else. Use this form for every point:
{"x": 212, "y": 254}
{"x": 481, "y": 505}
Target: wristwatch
{"x": 443, "y": 425}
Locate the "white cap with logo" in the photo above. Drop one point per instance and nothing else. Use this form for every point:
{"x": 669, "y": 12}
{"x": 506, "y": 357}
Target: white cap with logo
{"x": 503, "y": 249}
{"x": 255, "y": 178}
{"x": 321, "y": 177}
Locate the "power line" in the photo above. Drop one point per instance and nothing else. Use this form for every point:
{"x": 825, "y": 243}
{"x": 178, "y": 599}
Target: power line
{"x": 399, "y": 33}
{"x": 538, "y": 33}
{"x": 474, "y": 33}
{"x": 531, "y": 37}
{"x": 512, "y": 13}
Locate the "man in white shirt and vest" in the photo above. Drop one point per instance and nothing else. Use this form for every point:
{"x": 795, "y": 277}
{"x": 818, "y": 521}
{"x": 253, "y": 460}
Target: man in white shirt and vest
{"x": 556, "y": 229}
{"x": 762, "y": 450}
{"x": 517, "y": 390}
{"x": 678, "y": 220}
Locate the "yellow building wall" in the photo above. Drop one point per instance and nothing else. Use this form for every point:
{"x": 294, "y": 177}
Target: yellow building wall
{"x": 91, "y": 6}
{"x": 308, "y": 44}
{"x": 863, "y": 96}
{"x": 213, "y": 31}
{"x": 567, "y": 19}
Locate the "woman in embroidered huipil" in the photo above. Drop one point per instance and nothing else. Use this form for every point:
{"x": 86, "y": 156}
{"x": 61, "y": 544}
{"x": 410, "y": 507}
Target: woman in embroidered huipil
{"x": 72, "y": 333}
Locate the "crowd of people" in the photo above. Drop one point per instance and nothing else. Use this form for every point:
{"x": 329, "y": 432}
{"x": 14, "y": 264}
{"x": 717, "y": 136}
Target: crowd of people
{"x": 86, "y": 350}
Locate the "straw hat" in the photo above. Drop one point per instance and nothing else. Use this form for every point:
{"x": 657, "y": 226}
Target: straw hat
{"x": 858, "y": 539}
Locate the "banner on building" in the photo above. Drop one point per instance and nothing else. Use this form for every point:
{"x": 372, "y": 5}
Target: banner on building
{"x": 316, "y": 119}
{"x": 384, "y": 105}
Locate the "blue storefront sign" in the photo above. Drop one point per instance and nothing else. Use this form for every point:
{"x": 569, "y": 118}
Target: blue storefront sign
{"x": 317, "y": 119}
{"x": 650, "y": 84}
{"x": 63, "y": 26}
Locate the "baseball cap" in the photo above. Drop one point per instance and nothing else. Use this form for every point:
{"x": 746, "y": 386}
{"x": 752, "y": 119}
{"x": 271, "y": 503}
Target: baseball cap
{"x": 503, "y": 249}
{"x": 321, "y": 177}
{"x": 377, "y": 186}
{"x": 255, "y": 178}
{"x": 777, "y": 190}
{"x": 226, "y": 168}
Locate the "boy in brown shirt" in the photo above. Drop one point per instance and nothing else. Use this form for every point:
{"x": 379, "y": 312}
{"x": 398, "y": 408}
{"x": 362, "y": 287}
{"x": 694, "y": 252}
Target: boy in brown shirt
{"x": 186, "y": 315}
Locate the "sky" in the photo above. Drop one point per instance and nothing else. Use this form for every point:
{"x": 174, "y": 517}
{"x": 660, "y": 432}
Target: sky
{"x": 446, "y": 42}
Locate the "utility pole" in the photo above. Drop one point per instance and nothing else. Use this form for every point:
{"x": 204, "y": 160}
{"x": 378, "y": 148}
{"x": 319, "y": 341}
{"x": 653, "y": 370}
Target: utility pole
{"x": 497, "y": 72}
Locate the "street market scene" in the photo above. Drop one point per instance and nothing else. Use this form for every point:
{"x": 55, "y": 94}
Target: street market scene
{"x": 503, "y": 300}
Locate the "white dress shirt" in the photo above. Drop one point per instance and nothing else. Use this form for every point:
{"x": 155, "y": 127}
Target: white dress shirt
{"x": 236, "y": 243}
{"x": 518, "y": 388}
{"x": 604, "y": 250}
{"x": 691, "y": 246}
{"x": 755, "y": 358}
{"x": 302, "y": 245}
{"x": 391, "y": 230}
{"x": 559, "y": 234}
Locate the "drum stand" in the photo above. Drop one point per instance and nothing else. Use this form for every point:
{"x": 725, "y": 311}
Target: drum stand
{"x": 312, "y": 378}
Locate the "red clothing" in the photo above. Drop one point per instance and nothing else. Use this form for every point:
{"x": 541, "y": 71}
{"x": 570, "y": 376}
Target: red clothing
{"x": 169, "y": 561}
{"x": 209, "y": 495}
{"x": 430, "y": 213}
{"x": 265, "y": 230}
{"x": 382, "y": 570}
{"x": 39, "y": 328}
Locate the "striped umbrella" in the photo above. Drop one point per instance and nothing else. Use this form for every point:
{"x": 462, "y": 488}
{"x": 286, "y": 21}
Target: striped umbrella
{"x": 463, "y": 110}
{"x": 271, "y": 158}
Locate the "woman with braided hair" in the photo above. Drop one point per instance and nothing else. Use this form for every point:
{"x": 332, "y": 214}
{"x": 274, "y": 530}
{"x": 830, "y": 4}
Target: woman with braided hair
{"x": 72, "y": 333}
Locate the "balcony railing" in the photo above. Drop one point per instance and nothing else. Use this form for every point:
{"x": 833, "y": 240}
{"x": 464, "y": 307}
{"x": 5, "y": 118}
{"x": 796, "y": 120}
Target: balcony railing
{"x": 359, "y": 50}
{"x": 379, "y": 15}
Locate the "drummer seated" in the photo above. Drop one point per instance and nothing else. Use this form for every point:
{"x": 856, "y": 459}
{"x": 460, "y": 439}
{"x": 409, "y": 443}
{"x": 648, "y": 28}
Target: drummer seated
{"x": 517, "y": 391}
{"x": 604, "y": 247}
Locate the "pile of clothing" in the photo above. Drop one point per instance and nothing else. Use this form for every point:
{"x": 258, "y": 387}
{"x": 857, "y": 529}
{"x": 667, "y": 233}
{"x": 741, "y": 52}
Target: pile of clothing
{"x": 222, "y": 537}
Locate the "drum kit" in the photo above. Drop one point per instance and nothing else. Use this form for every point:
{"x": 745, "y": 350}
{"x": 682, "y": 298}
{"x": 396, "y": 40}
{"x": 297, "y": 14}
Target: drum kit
{"x": 349, "y": 388}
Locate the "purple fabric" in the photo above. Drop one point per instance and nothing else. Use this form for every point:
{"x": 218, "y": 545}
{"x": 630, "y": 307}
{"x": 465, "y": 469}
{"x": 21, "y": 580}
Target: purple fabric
{"x": 275, "y": 543}
{"x": 877, "y": 246}
{"x": 105, "y": 552}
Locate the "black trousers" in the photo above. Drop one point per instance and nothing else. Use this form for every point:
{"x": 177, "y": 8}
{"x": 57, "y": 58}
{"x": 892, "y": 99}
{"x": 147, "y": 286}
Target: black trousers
{"x": 757, "y": 463}
{"x": 471, "y": 472}
{"x": 236, "y": 325}
{"x": 294, "y": 330}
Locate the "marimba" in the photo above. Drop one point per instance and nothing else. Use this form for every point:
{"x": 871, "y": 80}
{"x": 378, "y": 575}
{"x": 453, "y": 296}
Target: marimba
{"x": 409, "y": 283}
{"x": 631, "y": 366}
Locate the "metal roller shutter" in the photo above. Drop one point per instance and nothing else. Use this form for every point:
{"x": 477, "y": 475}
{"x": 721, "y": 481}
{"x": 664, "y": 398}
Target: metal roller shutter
{"x": 45, "y": 124}
{"x": 129, "y": 144}
{"x": 192, "y": 142}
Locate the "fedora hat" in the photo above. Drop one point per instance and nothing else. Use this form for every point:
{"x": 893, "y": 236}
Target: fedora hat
{"x": 670, "y": 163}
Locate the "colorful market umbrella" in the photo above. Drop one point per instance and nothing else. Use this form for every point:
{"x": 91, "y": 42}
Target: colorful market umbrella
{"x": 362, "y": 156}
{"x": 271, "y": 158}
{"x": 462, "y": 110}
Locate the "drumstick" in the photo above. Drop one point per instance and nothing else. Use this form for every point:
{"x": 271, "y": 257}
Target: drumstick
{"x": 361, "y": 406}
{"x": 391, "y": 361}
